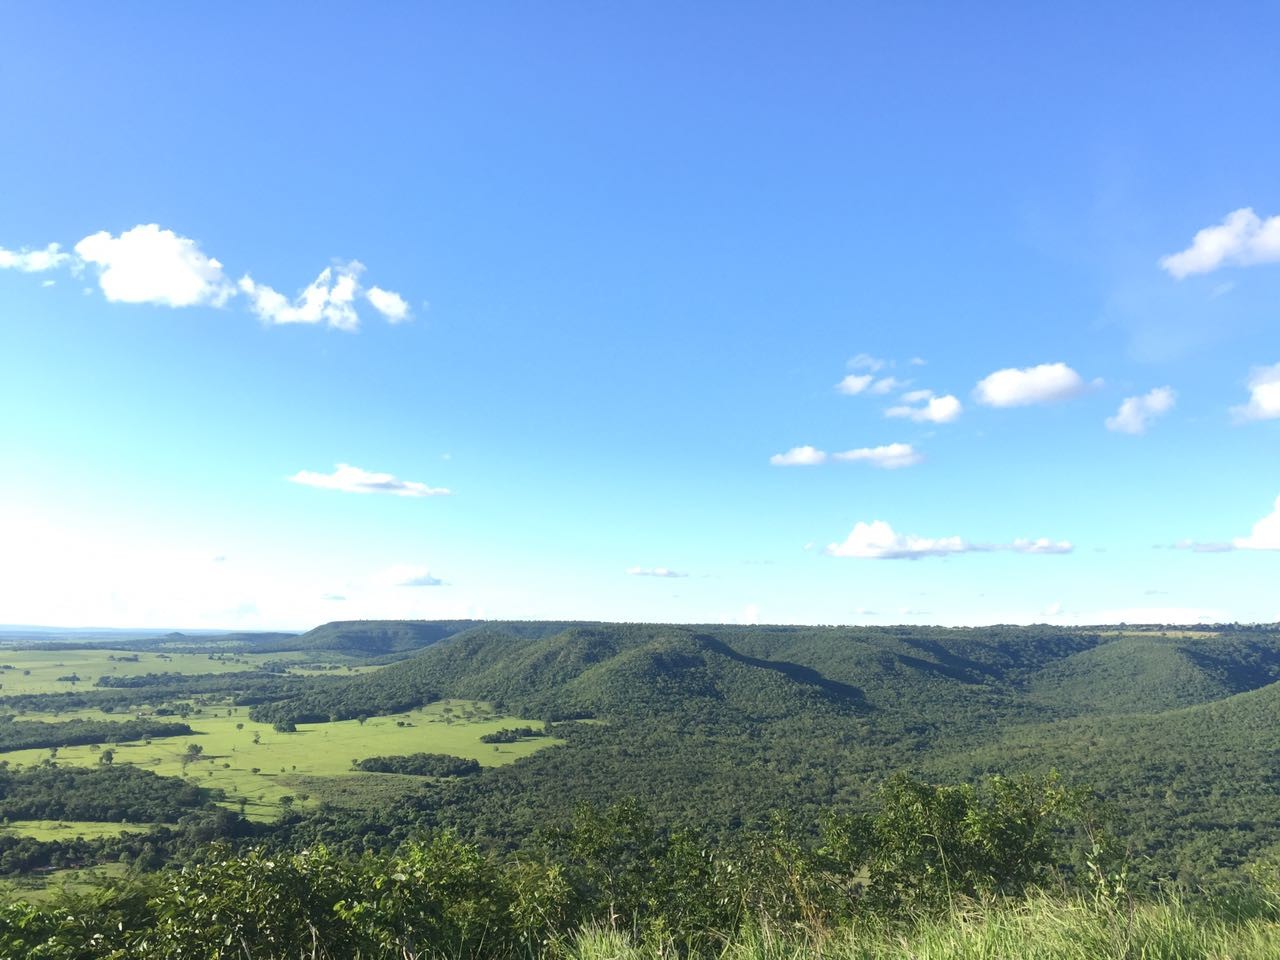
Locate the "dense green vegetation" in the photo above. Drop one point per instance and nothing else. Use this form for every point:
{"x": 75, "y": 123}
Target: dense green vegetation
{"x": 119, "y": 794}
{"x": 305, "y": 741}
{"x": 26, "y": 734}
{"x": 716, "y": 725}
{"x": 421, "y": 765}
{"x": 922, "y": 851}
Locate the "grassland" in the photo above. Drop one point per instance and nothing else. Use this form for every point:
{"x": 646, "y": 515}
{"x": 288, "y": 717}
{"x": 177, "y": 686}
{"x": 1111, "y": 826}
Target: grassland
{"x": 37, "y": 671}
{"x": 70, "y": 829}
{"x": 1038, "y": 928}
{"x": 259, "y": 765}
{"x": 55, "y": 884}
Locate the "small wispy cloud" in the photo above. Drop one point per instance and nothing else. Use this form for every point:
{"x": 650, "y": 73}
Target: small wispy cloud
{"x": 1264, "y": 396}
{"x": 878, "y": 540}
{"x": 864, "y": 361}
{"x": 1242, "y": 239}
{"x": 1013, "y": 387}
{"x": 891, "y": 456}
{"x": 933, "y": 410}
{"x": 886, "y": 385}
{"x": 805, "y": 456}
{"x": 1136, "y": 413}
{"x": 854, "y": 384}
{"x": 421, "y": 580}
{"x": 662, "y": 572}
{"x": 1196, "y": 546}
{"x": 33, "y": 261}
{"x": 329, "y": 299}
{"x": 388, "y": 303}
{"x": 1041, "y": 545}
{"x": 349, "y": 479}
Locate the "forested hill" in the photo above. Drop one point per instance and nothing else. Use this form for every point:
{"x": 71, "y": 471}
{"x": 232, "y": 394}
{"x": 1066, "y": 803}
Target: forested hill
{"x": 722, "y": 724}
{"x": 366, "y": 637}
{"x": 372, "y": 638}
{"x": 953, "y": 676}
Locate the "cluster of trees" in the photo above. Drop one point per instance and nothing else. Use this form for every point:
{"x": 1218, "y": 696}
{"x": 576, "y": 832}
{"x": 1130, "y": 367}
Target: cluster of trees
{"x": 512, "y": 735}
{"x": 29, "y": 734}
{"x": 419, "y": 765}
{"x": 923, "y": 849}
{"x": 117, "y": 793}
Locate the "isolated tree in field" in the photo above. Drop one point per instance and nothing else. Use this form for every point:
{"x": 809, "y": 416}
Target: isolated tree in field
{"x": 108, "y": 757}
{"x": 193, "y": 751}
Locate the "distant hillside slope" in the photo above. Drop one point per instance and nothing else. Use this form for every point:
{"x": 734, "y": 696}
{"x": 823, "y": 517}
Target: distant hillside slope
{"x": 1149, "y": 673}
{"x": 1197, "y": 786}
{"x": 367, "y": 637}
{"x": 584, "y": 670}
{"x": 717, "y": 724}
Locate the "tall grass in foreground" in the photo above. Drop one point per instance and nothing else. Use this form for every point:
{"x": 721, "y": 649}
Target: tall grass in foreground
{"x": 1038, "y": 928}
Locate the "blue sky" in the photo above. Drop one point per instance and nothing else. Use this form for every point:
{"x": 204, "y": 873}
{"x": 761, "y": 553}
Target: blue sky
{"x": 748, "y": 312}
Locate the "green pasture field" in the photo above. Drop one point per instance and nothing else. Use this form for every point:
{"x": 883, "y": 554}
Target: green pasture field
{"x": 42, "y": 887}
{"x": 37, "y": 671}
{"x": 280, "y": 764}
{"x": 70, "y": 829}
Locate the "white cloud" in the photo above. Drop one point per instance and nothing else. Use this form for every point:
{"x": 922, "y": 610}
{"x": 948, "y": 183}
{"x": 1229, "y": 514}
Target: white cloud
{"x": 351, "y": 479}
{"x": 878, "y": 541}
{"x": 329, "y": 299}
{"x": 33, "y": 261}
{"x": 886, "y": 385}
{"x": 799, "y": 457}
{"x": 1136, "y": 413}
{"x": 1041, "y": 545}
{"x": 917, "y": 361}
{"x": 1196, "y": 546}
{"x": 937, "y": 410}
{"x": 388, "y": 303}
{"x": 864, "y": 361}
{"x": 424, "y": 579}
{"x": 1040, "y": 384}
{"x": 915, "y": 396}
{"x": 1265, "y": 534}
{"x": 1264, "y": 395}
{"x": 147, "y": 264}
{"x": 655, "y": 572}
{"x": 150, "y": 265}
{"x": 854, "y": 383}
{"x": 888, "y": 457}
{"x": 1243, "y": 238}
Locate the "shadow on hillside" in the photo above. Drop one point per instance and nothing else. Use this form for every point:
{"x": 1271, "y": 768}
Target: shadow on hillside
{"x": 850, "y": 695}
{"x": 948, "y": 664}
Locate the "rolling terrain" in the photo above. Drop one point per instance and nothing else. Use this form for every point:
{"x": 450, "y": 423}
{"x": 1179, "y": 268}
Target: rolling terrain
{"x": 714, "y": 726}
